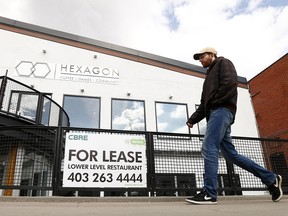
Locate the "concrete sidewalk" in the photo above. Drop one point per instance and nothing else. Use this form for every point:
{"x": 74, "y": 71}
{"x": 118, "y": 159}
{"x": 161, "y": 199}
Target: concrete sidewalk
{"x": 140, "y": 206}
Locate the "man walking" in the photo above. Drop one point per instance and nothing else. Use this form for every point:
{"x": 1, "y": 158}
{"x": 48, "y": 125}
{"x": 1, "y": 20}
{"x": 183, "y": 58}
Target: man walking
{"x": 218, "y": 105}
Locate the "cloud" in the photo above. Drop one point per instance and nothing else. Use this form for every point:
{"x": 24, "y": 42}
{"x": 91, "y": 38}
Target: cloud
{"x": 160, "y": 109}
{"x": 182, "y": 129}
{"x": 162, "y": 127}
{"x": 253, "y": 38}
{"x": 171, "y": 118}
{"x": 130, "y": 119}
{"x": 179, "y": 112}
{"x": 253, "y": 34}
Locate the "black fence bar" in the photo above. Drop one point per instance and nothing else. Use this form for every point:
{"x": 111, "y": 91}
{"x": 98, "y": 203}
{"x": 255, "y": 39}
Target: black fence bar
{"x": 31, "y": 164}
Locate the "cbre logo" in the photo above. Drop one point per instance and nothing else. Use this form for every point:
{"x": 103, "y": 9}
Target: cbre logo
{"x": 38, "y": 69}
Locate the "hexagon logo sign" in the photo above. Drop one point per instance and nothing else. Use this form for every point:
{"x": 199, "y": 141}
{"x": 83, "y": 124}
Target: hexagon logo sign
{"x": 38, "y": 69}
{"x": 41, "y": 69}
{"x": 24, "y": 68}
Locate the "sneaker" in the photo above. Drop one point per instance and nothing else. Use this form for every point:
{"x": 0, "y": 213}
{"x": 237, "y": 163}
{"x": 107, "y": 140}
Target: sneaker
{"x": 275, "y": 189}
{"x": 202, "y": 198}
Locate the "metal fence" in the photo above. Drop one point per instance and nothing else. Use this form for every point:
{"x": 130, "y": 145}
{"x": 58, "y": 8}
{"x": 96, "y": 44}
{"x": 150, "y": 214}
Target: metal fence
{"x": 31, "y": 164}
{"x": 27, "y": 160}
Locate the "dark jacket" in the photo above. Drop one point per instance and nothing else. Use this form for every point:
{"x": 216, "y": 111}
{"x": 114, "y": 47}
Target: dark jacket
{"x": 219, "y": 90}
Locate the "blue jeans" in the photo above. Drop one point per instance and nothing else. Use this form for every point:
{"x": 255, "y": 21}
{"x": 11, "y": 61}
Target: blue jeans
{"x": 217, "y": 137}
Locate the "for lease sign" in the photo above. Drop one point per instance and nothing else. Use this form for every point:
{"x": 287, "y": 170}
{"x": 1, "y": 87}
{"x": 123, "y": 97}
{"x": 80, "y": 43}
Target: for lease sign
{"x": 104, "y": 160}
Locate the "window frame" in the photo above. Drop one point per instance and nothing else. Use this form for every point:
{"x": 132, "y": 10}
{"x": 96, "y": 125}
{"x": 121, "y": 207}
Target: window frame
{"x": 83, "y": 96}
{"x": 198, "y": 125}
{"x": 124, "y": 99}
{"x": 173, "y": 103}
{"x": 39, "y": 107}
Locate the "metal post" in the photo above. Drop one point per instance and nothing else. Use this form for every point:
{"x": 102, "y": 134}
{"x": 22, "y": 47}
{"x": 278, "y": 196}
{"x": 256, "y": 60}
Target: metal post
{"x": 2, "y": 89}
{"x": 231, "y": 175}
{"x": 150, "y": 162}
{"x": 56, "y": 177}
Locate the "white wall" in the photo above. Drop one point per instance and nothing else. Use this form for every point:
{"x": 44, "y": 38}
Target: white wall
{"x": 145, "y": 82}
{"x": 245, "y": 121}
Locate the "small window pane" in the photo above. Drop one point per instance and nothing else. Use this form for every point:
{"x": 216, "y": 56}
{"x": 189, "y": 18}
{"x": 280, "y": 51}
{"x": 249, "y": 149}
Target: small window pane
{"x": 25, "y": 104}
{"x": 83, "y": 111}
{"x": 46, "y": 111}
{"x": 171, "y": 118}
{"x": 201, "y": 125}
{"x": 13, "y": 103}
{"x": 28, "y": 106}
{"x": 128, "y": 115}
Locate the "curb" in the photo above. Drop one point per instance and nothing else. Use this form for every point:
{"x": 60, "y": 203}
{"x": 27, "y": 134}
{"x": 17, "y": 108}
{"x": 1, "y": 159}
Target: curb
{"x": 124, "y": 199}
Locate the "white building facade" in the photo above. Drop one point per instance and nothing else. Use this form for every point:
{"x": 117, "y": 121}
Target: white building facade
{"x": 118, "y": 88}
{"x": 105, "y": 86}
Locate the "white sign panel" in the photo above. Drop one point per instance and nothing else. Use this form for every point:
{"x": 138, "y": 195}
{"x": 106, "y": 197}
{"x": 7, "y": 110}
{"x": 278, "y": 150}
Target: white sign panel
{"x": 104, "y": 160}
{"x": 68, "y": 72}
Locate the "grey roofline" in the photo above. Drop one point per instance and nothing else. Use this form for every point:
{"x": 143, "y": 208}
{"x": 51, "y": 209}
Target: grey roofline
{"x": 106, "y": 45}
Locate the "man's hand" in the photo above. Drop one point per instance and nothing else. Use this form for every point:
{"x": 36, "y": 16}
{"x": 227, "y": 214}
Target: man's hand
{"x": 189, "y": 125}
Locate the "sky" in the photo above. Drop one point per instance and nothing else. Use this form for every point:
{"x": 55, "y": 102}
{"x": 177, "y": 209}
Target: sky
{"x": 252, "y": 34}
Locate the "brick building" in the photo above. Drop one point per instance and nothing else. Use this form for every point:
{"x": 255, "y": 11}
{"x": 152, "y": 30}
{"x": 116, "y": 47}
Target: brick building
{"x": 269, "y": 93}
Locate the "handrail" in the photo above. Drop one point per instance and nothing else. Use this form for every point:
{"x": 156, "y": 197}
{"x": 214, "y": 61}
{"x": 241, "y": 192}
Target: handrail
{"x": 11, "y": 92}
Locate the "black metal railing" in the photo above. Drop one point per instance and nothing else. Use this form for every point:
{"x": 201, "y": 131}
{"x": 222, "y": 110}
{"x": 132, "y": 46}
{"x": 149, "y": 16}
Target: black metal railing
{"x": 19, "y": 102}
{"x": 31, "y": 164}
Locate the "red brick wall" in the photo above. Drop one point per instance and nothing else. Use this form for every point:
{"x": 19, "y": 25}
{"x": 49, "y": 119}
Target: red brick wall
{"x": 269, "y": 93}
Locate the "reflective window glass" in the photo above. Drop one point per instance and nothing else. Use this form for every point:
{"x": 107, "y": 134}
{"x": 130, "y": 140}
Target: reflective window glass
{"x": 201, "y": 125}
{"x": 24, "y": 104}
{"x": 83, "y": 111}
{"x": 128, "y": 115}
{"x": 46, "y": 111}
{"x": 171, "y": 117}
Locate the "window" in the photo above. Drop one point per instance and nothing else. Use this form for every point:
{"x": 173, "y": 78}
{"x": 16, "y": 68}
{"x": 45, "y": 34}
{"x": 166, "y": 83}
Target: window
{"x": 83, "y": 111}
{"x": 26, "y": 105}
{"x": 171, "y": 118}
{"x": 46, "y": 110}
{"x": 128, "y": 115}
{"x": 201, "y": 125}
